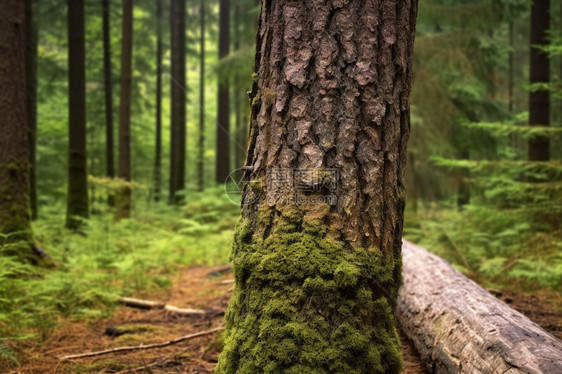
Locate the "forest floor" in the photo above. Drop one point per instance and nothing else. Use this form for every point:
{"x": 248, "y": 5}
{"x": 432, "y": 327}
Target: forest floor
{"x": 199, "y": 355}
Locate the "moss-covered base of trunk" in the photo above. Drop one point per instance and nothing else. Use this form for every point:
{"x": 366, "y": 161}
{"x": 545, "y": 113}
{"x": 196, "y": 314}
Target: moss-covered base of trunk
{"x": 304, "y": 303}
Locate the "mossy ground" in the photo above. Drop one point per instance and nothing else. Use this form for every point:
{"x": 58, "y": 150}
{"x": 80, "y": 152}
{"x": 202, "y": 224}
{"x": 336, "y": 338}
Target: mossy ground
{"x": 304, "y": 303}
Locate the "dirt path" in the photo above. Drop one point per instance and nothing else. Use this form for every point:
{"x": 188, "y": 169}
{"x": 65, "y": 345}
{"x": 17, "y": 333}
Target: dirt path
{"x": 194, "y": 356}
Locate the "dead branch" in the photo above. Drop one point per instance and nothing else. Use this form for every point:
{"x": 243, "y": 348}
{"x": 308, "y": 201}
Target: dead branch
{"x": 219, "y": 271}
{"x": 147, "y": 304}
{"x": 142, "y": 347}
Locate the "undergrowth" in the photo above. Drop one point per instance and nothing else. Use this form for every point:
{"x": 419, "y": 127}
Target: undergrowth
{"x": 105, "y": 260}
{"x": 498, "y": 247}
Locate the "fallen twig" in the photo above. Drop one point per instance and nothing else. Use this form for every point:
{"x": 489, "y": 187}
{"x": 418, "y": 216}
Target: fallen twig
{"x": 142, "y": 347}
{"x": 219, "y": 271}
{"x": 147, "y": 304}
{"x": 227, "y": 281}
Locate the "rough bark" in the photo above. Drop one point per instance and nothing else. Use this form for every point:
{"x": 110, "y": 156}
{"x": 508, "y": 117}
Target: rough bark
{"x": 77, "y": 200}
{"x": 539, "y": 101}
{"x": 223, "y": 117}
{"x": 108, "y": 87}
{"x": 158, "y": 145}
{"x": 124, "y": 194}
{"x": 178, "y": 101}
{"x": 317, "y": 253}
{"x": 31, "y": 96}
{"x": 14, "y": 146}
{"x": 458, "y": 327}
{"x": 201, "y": 142}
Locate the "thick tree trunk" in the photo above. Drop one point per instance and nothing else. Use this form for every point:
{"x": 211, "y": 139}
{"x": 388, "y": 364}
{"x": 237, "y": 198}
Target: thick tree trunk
{"x": 201, "y": 148}
{"x": 317, "y": 253}
{"x": 124, "y": 193}
{"x": 77, "y": 201}
{"x": 31, "y": 37}
{"x": 458, "y": 327}
{"x": 14, "y": 145}
{"x": 108, "y": 86}
{"x": 158, "y": 146}
{"x": 178, "y": 132}
{"x": 223, "y": 118}
{"x": 539, "y": 101}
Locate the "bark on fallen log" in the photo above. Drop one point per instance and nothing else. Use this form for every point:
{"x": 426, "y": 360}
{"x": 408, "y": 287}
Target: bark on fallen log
{"x": 147, "y": 304}
{"x": 458, "y": 327}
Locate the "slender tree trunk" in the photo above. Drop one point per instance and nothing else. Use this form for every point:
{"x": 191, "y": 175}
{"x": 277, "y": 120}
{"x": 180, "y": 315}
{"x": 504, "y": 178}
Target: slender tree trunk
{"x": 31, "y": 88}
{"x": 124, "y": 194}
{"x": 109, "y": 143}
{"x": 14, "y": 145}
{"x": 539, "y": 101}
{"x": 239, "y": 149}
{"x": 511, "y": 68}
{"x": 158, "y": 147}
{"x": 77, "y": 204}
{"x": 223, "y": 118}
{"x": 317, "y": 254}
{"x": 178, "y": 133}
{"x": 201, "y": 149}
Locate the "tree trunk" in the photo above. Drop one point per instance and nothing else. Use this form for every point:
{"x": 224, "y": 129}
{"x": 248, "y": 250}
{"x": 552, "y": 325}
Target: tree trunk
{"x": 201, "y": 148}
{"x": 31, "y": 96}
{"x": 317, "y": 254}
{"x": 14, "y": 145}
{"x": 178, "y": 133}
{"x": 239, "y": 138}
{"x": 511, "y": 72}
{"x": 158, "y": 146}
{"x": 223, "y": 118}
{"x": 77, "y": 204}
{"x": 124, "y": 193}
{"x": 458, "y": 327}
{"x": 109, "y": 143}
{"x": 539, "y": 101}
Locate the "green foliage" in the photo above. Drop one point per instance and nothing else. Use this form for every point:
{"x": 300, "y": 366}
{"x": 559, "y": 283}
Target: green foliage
{"x": 304, "y": 304}
{"x": 109, "y": 259}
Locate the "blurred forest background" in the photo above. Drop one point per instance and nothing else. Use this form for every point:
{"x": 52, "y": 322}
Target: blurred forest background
{"x": 484, "y": 177}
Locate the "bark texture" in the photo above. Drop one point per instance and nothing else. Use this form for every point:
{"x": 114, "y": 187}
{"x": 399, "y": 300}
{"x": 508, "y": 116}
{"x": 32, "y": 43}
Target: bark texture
{"x": 108, "y": 87}
{"x": 223, "y": 117}
{"x": 458, "y": 327}
{"x": 77, "y": 200}
{"x": 317, "y": 254}
{"x": 539, "y": 101}
{"x": 14, "y": 146}
{"x": 178, "y": 101}
{"x": 124, "y": 193}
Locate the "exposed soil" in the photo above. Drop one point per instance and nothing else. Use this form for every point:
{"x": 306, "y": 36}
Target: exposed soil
{"x": 198, "y": 355}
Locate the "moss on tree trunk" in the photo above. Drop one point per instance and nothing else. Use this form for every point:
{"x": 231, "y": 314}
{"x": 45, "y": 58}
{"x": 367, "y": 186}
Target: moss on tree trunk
{"x": 317, "y": 253}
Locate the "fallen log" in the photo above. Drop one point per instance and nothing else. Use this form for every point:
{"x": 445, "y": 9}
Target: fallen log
{"x": 147, "y": 304}
{"x": 458, "y": 327}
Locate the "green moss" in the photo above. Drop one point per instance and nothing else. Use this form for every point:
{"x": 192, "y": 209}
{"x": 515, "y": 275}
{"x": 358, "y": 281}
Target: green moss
{"x": 304, "y": 303}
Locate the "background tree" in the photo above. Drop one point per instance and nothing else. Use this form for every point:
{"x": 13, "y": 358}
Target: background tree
{"x": 31, "y": 87}
{"x": 223, "y": 118}
{"x": 158, "y": 147}
{"x": 77, "y": 200}
{"x": 316, "y": 281}
{"x": 201, "y": 145}
{"x": 108, "y": 87}
{"x": 539, "y": 99}
{"x": 14, "y": 145}
{"x": 178, "y": 100}
{"x": 125, "y": 191}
